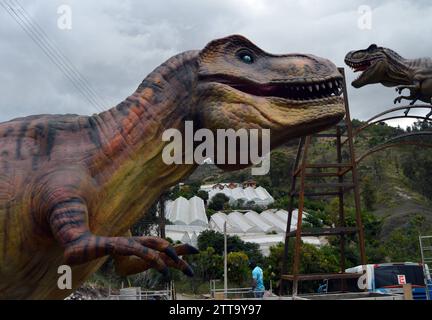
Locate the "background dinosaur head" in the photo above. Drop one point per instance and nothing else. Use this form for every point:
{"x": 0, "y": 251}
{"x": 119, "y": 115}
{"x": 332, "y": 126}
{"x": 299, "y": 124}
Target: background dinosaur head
{"x": 241, "y": 86}
{"x": 375, "y": 65}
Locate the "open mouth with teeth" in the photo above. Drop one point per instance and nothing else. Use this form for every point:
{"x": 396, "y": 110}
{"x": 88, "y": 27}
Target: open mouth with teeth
{"x": 363, "y": 67}
{"x": 300, "y": 92}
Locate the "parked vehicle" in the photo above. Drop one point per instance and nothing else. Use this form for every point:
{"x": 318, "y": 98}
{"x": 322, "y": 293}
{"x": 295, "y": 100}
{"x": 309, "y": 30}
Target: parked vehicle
{"x": 386, "y": 278}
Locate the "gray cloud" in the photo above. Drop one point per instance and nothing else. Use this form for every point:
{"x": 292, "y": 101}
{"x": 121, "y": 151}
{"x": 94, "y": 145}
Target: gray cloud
{"x": 115, "y": 44}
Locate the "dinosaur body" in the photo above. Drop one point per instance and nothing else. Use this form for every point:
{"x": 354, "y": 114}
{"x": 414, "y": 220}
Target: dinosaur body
{"x": 72, "y": 186}
{"x": 382, "y": 65}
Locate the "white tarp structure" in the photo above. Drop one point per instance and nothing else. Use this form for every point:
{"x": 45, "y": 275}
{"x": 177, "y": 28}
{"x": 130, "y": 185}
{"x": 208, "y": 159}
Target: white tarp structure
{"x": 274, "y": 220}
{"x": 218, "y": 220}
{"x": 265, "y": 241}
{"x": 197, "y": 212}
{"x": 187, "y": 212}
{"x": 238, "y": 219}
{"x": 257, "y": 220}
{"x": 259, "y": 195}
{"x": 179, "y": 211}
{"x": 183, "y": 237}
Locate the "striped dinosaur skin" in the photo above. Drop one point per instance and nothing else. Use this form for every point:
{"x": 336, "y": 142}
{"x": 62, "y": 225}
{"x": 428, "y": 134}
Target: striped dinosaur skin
{"x": 71, "y": 186}
{"x": 382, "y": 65}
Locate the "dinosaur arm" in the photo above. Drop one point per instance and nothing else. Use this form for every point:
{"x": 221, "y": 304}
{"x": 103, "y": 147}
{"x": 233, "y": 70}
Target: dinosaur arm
{"x": 68, "y": 220}
{"x": 128, "y": 265}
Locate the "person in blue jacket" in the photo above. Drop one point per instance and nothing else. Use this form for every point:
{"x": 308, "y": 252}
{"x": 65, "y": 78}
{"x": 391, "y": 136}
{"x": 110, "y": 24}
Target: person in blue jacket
{"x": 258, "y": 281}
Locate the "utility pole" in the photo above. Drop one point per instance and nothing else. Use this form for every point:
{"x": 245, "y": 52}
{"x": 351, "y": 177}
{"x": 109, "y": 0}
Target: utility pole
{"x": 225, "y": 262}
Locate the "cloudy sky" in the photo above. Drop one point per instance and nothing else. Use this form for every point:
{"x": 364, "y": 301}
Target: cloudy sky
{"x": 115, "y": 44}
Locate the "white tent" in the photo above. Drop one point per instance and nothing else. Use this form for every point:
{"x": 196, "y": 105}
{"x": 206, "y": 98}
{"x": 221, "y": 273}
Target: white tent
{"x": 183, "y": 237}
{"x": 237, "y": 219}
{"x": 257, "y": 220}
{"x": 197, "y": 213}
{"x": 274, "y": 220}
{"x": 179, "y": 211}
{"x": 238, "y": 194}
{"x": 217, "y": 221}
{"x": 168, "y": 208}
{"x": 251, "y": 194}
{"x": 194, "y": 239}
{"x": 187, "y": 212}
{"x": 185, "y": 228}
{"x": 259, "y": 195}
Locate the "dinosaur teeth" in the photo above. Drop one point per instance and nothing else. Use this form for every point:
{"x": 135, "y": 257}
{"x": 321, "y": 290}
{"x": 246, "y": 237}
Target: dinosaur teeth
{"x": 310, "y": 89}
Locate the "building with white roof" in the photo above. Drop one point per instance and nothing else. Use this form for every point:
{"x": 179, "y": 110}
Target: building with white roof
{"x": 218, "y": 220}
{"x": 239, "y": 220}
{"x": 259, "y": 195}
{"x": 187, "y": 212}
{"x": 189, "y": 219}
{"x": 256, "y": 219}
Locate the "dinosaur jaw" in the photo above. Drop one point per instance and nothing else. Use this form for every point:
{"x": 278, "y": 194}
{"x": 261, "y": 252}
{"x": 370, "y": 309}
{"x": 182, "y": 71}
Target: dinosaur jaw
{"x": 291, "y": 92}
{"x": 287, "y": 109}
{"x": 367, "y": 69}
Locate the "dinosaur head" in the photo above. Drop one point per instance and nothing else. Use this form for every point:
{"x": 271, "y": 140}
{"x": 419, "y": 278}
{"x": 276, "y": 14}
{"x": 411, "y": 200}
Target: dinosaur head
{"x": 373, "y": 63}
{"x": 241, "y": 86}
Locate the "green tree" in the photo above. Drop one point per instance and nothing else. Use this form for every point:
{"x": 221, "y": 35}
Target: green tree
{"x": 203, "y": 195}
{"x": 211, "y": 238}
{"x": 238, "y": 267}
{"x": 218, "y": 202}
{"x": 207, "y": 264}
{"x": 368, "y": 194}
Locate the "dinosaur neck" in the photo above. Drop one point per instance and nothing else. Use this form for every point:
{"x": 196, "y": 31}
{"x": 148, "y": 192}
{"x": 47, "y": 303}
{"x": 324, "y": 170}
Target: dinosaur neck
{"x": 399, "y": 69}
{"x": 131, "y": 132}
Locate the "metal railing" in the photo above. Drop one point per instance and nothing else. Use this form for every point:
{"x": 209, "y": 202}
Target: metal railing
{"x": 136, "y": 293}
{"x": 233, "y": 293}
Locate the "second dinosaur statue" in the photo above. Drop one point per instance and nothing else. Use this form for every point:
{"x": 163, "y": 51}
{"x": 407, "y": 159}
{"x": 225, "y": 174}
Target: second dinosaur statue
{"x": 385, "y": 66}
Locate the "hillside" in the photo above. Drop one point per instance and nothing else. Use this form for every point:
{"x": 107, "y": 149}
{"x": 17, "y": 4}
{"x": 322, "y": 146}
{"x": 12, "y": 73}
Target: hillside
{"x": 394, "y": 186}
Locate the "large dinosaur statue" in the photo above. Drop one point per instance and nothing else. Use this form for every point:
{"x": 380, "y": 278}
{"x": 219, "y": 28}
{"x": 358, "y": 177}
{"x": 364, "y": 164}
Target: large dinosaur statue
{"x": 71, "y": 186}
{"x": 382, "y": 65}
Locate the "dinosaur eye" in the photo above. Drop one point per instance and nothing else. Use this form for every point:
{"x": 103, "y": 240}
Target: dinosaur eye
{"x": 246, "y": 56}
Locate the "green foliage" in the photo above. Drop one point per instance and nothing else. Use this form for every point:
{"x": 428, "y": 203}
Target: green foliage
{"x": 280, "y": 169}
{"x": 238, "y": 267}
{"x": 207, "y": 264}
{"x": 402, "y": 244}
{"x": 218, "y": 202}
{"x": 203, "y": 195}
{"x": 211, "y": 238}
{"x": 312, "y": 260}
{"x": 417, "y": 167}
{"x": 368, "y": 193}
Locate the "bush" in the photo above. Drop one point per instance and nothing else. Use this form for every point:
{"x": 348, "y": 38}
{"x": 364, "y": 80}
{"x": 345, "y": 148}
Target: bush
{"x": 218, "y": 202}
{"x": 207, "y": 264}
{"x": 203, "y": 195}
{"x": 238, "y": 267}
{"x": 211, "y": 238}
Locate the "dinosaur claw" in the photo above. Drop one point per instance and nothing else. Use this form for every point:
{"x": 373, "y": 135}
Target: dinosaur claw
{"x": 170, "y": 252}
{"x": 188, "y": 271}
{"x": 192, "y": 250}
{"x": 165, "y": 273}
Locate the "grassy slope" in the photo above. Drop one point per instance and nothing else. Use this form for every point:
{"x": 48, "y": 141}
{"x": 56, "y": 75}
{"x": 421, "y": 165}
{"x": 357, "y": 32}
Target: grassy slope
{"x": 396, "y": 199}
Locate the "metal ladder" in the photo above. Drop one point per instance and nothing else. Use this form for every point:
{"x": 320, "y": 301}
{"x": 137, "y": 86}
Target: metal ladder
{"x": 426, "y": 256}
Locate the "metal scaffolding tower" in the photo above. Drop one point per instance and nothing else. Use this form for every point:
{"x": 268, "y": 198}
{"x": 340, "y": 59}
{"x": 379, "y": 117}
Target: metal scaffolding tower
{"x": 327, "y": 179}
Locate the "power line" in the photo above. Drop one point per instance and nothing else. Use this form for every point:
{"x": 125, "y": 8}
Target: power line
{"x": 77, "y": 83}
{"x": 56, "y": 49}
